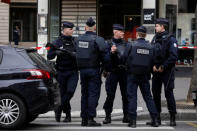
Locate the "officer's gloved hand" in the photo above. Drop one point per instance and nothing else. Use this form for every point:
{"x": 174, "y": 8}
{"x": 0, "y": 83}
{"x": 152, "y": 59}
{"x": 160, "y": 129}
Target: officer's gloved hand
{"x": 58, "y": 52}
{"x": 105, "y": 74}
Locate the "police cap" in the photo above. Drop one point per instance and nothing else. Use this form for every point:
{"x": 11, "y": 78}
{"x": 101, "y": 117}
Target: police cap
{"x": 90, "y": 22}
{"x": 118, "y": 27}
{"x": 68, "y": 24}
{"x": 162, "y": 21}
{"x": 141, "y": 29}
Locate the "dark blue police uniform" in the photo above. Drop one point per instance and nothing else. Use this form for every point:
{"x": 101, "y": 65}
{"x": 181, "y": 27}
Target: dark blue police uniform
{"x": 67, "y": 73}
{"x": 140, "y": 60}
{"x": 91, "y": 51}
{"x": 117, "y": 75}
{"x": 165, "y": 56}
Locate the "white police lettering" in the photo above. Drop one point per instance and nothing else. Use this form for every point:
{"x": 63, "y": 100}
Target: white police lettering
{"x": 143, "y": 51}
{"x": 83, "y": 44}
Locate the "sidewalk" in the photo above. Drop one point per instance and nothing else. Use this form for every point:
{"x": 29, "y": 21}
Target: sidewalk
{"x": 187, "y": 113}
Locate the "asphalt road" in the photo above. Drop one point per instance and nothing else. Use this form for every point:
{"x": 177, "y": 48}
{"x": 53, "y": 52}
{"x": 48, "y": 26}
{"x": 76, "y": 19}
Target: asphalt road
{"x": 50, "y": 124}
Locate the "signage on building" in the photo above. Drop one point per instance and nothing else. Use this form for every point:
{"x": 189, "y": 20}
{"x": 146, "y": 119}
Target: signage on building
{"x": 149, "y": 16}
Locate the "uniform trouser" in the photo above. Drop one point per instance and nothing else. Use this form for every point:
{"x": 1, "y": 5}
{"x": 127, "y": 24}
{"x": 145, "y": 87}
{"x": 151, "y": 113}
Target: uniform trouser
{"x": 111, "y": 85}
{"x": 90, "y": 91}
{"x": 67, "y": 83}
{"x": 16, "y": 42}
{"x": 133, "y": 81}
{"x": 167, "y": 78}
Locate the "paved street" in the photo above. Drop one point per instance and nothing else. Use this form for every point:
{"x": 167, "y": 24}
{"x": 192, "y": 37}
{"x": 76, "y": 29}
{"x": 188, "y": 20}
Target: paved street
{"x": 47, "y": 121}
{"x": 50, "y": 124}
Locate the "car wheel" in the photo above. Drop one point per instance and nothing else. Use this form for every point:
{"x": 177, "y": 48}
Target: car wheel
{"x": 31, "y": 118}
{"x": 13, "y": 112}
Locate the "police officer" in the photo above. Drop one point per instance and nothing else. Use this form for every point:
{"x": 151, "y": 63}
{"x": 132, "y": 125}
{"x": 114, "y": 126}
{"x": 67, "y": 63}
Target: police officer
{"x": 117, "y": 74}
{"x": 140, "y": 58}
{"x": 16, "y": 35}
{"x": 91, "y": 51}
{"x": 163, "y": 70}
{"x": 67, "y": 75}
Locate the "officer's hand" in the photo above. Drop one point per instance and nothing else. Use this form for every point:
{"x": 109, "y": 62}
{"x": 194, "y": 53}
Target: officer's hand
{"x": 155, "y": 69}
{"x": 160, "y": 69}
{"x": 105, "y": 74}
{"x": 113, "y": 49}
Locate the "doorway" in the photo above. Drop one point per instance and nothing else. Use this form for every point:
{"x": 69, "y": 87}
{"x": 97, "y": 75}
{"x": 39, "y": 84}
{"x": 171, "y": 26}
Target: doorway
{"x": 125, "y": 12}
{"x": 18, "y": 23}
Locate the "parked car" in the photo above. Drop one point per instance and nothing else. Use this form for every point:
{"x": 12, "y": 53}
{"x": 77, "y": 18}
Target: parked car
{"x": 27, "y": 86}
{"x": 194, "y": 96}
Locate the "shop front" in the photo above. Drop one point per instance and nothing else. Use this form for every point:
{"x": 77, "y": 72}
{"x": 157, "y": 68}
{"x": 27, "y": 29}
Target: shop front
{"x": 131, "y": 14}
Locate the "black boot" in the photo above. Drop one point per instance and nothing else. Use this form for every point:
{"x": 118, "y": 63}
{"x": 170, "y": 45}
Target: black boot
{"x": 172, "y": 120}
{"x": 107, "y": 119}
{"x": 154, "y": 122}
{"x": 92, "y": 122}
{"x": 84, "y": 122}
{"x": 125, "y": 119}
{"x": 132, "y": 124}
{"x": 67, "y": 119}
{"x": 58, "y": 112}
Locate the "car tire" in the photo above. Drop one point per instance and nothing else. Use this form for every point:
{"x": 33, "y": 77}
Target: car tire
{"x": 13, "y": 112}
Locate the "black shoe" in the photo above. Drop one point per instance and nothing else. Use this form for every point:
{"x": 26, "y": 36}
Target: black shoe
{"x": 84, "y": 122}
{"x": 107, "y": 120}
{"x": 132, "y": 124}
{"x": 125, "y": 119}
{"x": 152, "y": 123}
{"x": 155, "y": 124}
{"x": 67, "y": 119}
{"x": 92, "y": 122}
{"x": 172, "y": 120}
{"x": 58, "y": 113}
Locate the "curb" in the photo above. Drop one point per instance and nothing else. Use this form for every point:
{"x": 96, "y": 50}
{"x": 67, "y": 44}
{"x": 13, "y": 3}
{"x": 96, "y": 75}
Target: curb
{"x": 117, "y": 114}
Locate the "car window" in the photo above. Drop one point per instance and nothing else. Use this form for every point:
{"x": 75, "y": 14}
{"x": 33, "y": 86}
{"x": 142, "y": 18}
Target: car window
{"x": 40, "y": 61}
{"x": 1, "y": 55}
{"x": 12, "y": 60}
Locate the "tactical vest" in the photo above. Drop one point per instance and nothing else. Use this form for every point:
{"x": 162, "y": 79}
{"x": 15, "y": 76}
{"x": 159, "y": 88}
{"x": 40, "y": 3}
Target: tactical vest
{"x": 87, "y": 52}
{"x": 119, "y": 63}
{"x": 65, "y": 61}
{"x": 68, "y": 45}
{"x": 161, "y": 48}
{"x": 140, "y": 58}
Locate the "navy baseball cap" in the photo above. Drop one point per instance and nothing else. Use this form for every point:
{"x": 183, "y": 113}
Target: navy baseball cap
{"x": 68, "y": 24}
{"x": 90, "y": 22}
{"x": 141, "y": 29}
{"x": 118, "y": 27}
{"x": 162, "y": 21}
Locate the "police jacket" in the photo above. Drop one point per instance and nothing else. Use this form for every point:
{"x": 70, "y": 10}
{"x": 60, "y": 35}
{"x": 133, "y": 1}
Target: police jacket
{"x": 139, "y": 57}
{"x": 92, "y": 51}
{"x": 165, "y": 50}
{"x": 64, "y": 61}
{"x": 118, "y": 59}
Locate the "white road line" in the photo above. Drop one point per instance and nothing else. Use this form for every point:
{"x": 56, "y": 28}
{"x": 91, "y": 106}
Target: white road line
{"x": 99, "y": 113}
{"x": 103, "y": 128}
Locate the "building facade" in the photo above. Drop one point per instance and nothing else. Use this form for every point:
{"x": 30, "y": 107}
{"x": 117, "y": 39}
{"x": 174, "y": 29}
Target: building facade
{"x": 131, "y": 14}
{"x": 21, "y": 13}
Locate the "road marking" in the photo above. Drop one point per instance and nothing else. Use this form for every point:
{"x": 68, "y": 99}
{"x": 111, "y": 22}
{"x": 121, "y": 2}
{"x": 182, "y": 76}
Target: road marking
{"x": 77, "y": 126}
{"x": 101, "y": 128}
{"x": 192, "y": 124}
{"x": 99, "y": 113}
